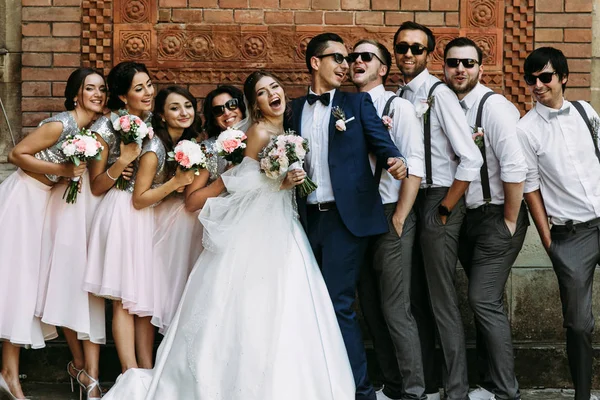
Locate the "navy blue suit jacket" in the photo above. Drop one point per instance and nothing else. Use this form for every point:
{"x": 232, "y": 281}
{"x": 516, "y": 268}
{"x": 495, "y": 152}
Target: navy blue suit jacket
{"x": 355, "y": 190}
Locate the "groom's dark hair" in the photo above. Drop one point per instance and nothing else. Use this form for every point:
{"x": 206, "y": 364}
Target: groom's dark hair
{"x": 318, "y": 44}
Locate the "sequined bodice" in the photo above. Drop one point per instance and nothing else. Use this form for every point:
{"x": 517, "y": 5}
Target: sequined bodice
{"x": 215, "y": 164}
{"x": 155, "y": 145}
{"x": 54, "y": 153}
{"x": 104, "y": 127}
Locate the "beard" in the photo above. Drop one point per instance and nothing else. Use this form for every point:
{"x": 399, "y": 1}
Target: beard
{"x": 466, "y": 87}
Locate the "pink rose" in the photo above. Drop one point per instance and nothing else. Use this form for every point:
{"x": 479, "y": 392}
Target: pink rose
{"x": 185, "y": 161}
{"x": 179, "y": 156}
{"x": 125, "y": 123}
{"x": 230, "y": 145}
{"x": 150, "y": 132}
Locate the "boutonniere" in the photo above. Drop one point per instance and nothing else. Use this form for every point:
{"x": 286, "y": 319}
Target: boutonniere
{"x": 341, "y": 121}
{"x": 388, "y": 120}
{"x": 424, "y": 107}
{"x": 595, "y": 123}
{"x": 478, "y": 136}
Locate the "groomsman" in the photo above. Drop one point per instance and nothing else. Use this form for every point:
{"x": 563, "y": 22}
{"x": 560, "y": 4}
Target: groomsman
{"x": 384, "y": 287}
{"x": 496, "y": 221}
{"x": 452, "y": 161}
{"x": 345, "y": 210}
{"x": 560, "y": 144}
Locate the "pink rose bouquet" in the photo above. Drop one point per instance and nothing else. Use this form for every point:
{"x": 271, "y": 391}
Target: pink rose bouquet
{"x": 189, "y": 155}
{"x": 284, "y": 153}
{"x": 231, "y": 144}
{"x": 79, "y": 148}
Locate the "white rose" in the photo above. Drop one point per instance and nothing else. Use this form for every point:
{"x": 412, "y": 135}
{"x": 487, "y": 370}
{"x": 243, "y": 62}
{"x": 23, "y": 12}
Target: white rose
{"x": 421, "y": 108}
{"x": 340, "y": 125}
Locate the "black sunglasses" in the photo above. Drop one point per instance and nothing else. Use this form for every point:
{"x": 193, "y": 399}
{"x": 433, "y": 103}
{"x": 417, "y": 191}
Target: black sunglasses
{"x": 337, "y": 57}
{"x": 366, "y": 56}
{"x": 468, "y": 63}
{"x": 416, "y": 49}
{"x": 230, "y": 105}
{"x": 544, "y": 77}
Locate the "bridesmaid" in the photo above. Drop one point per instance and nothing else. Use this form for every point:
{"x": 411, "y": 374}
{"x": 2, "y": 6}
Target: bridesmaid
{"x": 25, "y": 196}
{"x": 224, "y": 108}
{"x": 177, "y": 234}
{"x": 120, "y": 248}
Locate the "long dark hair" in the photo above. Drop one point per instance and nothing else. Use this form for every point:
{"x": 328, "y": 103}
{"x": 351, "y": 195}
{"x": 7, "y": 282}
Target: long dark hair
{"x": 75, "y": 83}
{"x": 160, "y": 127}
{"x": 119, "y": 82}
{"x": 250, "y": 93}
{"x": 210, "y": 124}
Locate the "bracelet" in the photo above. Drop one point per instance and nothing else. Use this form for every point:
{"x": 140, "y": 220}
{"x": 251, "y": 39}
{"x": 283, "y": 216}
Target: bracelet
{"x": 107, "y": 174}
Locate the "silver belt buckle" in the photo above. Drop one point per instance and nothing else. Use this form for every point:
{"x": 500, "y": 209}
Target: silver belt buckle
{"x": 319, "y": 207}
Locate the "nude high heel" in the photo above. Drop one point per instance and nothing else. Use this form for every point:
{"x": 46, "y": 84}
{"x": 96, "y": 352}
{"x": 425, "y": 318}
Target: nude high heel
{"x": 72, "y": 377}
{"x": 89, "y": 388}
{"x": 4, "y": 389}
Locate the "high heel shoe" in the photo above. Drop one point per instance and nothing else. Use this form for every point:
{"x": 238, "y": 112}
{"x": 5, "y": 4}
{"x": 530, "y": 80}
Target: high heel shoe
{"x": 72, "y": 377}
{"x": 4, "y": 389}
{"x": 89, "y": 388}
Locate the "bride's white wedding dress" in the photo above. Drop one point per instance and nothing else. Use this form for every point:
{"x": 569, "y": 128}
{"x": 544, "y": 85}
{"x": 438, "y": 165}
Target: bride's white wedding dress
{"x": 255, "y": 321}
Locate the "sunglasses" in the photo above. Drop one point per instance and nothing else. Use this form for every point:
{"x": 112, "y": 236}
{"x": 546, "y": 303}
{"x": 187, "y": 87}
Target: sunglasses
{"x": 230, "y": 105}
{"x": 544, "y": 77}
{"x": 337, "y": 57}
{"x": 416, "y": 49}
{"x": 468, "y": 63}
{"x": 366, "y": 56}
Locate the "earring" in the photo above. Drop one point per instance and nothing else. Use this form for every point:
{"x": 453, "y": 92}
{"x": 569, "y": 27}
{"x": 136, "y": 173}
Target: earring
{"x": 163, "y": 120}
{"x": 74, "y": 103}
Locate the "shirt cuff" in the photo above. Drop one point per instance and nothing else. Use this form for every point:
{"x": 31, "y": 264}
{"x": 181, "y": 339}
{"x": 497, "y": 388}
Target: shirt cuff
{"x": 466, "y": 174}
{"x": 531, "y": 186}
{"x": 513, "y": 176}
{"x": 416, "y": 167}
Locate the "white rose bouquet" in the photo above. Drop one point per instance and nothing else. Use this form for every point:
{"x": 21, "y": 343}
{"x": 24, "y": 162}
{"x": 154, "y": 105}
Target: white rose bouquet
{"x": 189, "y": 155}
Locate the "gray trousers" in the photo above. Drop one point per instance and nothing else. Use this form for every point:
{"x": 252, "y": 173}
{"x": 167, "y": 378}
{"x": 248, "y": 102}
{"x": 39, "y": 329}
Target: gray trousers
{"x": 575, "y": 252}
{"x": 389, "y": 258}
{"x": 487, "y": 252}
{"x": 439, "y": 250}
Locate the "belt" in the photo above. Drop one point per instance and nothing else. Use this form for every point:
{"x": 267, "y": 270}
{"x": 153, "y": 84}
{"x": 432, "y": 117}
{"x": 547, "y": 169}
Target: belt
{"x": 487, "y": 208}
{"x": 433, "y": 190}
{"x": 569, "y": 226}
{"x": 322, "y": 206}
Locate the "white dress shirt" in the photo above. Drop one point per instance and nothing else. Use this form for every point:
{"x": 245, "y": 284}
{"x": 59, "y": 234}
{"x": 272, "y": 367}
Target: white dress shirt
{"x": 407, "y": 135}
{"x": 315, "y": 128}
{"x": 453, "y": 153}
{"x": 505, "y": 160}
{"x": 561, "y": 162}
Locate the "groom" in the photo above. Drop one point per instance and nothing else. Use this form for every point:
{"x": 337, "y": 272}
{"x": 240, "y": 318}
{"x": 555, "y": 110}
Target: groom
{"x": 342, "y": 128}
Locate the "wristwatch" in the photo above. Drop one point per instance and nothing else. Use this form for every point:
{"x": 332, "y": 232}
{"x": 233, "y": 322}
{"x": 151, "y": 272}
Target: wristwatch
{"x": 444, "y": 211}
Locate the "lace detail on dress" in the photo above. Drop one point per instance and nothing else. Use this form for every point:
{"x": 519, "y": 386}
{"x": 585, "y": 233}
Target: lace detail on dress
{"x": 215, "y": 164}
{"x": 54, "y": 153}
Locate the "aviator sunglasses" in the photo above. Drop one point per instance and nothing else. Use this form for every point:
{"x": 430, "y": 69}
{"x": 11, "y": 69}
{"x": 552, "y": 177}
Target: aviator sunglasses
{"x": 366, "y": 56}
{"x": 416, "y": 49}
{"x": 544, "y": 77}
{"x": 468, "y": 63}
{"x": 337, "y": 57}
{"x": 230, "y": 105}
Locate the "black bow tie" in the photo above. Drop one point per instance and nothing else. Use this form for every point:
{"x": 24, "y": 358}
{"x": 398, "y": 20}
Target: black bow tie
{"x": 324, "y": 98}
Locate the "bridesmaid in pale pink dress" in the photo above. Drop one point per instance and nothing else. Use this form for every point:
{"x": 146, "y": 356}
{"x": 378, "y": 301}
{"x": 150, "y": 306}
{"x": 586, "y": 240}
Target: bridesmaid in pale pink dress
{"x": 120, "y": 245}
{"x": 24, "y": 196}
{"x": 177, "y": 232}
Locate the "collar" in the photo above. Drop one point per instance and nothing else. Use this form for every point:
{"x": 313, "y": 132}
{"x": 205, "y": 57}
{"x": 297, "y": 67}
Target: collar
{"x": 331, "y": 93}
{"x": 418, "y": 81}
{"x": 548, "y": 113}
{"x": 472, "y": 97}
{"x": 376, "y": 92}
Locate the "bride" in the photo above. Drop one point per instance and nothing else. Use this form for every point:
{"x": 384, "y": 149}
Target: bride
{"x": 255, "y": 321}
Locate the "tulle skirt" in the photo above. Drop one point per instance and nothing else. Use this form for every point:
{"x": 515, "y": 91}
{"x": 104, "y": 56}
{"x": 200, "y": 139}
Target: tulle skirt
{"x": 23, "y": 202}
{"x": 61, "y": 298}
{"x": 120, "y": 253}
{"x": 177, "y": 245}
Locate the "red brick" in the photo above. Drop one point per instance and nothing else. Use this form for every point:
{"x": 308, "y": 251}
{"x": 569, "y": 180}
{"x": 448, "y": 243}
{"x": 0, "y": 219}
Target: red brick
{"x": 363, "y": 5}
{"x": 36, "y": 59}
{"x": 36, "y": 89}
{"x": 26, "y": 131}
{"x": 42, "y": 104}
{"x": 578, "y": 94}
{"x": 279, "y": 17}
{"x": 201, "y": 91}
{"x": 308, "y": 17}
{"x": 233, "y": 3}
{"x": 45, "y": 74}
{"x": 187, "y": 15}
{"x": 339, "y": 18}
{"x": 325, "y": 4}
{"x": 66, "y": 29}
{"x": 33, "y": 119}
{"x": 578, "y": 5}
{"x": 578, "y": 35}
{"x": 580, "y": 65}
{"x": 51, "y": 44}
{"x": 575, "y": 50}
{"x": 407, "y": 5}
{"x": 444, "y": 5}
{"x": 579, "y": 80}
{"x": 385, "y": 4}
{"x": 35, "y": 29}
{"x": 67, "y": 3}
{"x": 164, "y": 15}
{"x": 264, "y": 4}
{"x": 571, "y": 20}
{"x": 548, "y": 35}
{"x": 295, "y": 4}
{"x": 29, "y": 3}
{"x": 249, "y": 16}
{"x": 58, "y": 88}
{"x": 172, "y": 3}
{"x": 549, "y": 6}
{"x": 218, "y": 16}
{"x": 53, "y": 14}
{"x": 66, "y": 59}
{"x": 430, "y": 18}
{"x": 203, "y": 3}
{"x": 369, "y": 18}
{"x": 397, "y": 18}
{"x": 452, "y": 19}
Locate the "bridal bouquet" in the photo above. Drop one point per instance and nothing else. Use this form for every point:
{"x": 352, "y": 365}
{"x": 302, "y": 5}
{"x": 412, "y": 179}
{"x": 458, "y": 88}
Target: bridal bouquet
{"x": 189, "y": 155}
{"x": 131, "y": 129}
{"x": 231, "y": 144}
{"x": 284, "y": 153}
{"x": 77, "y": 149}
